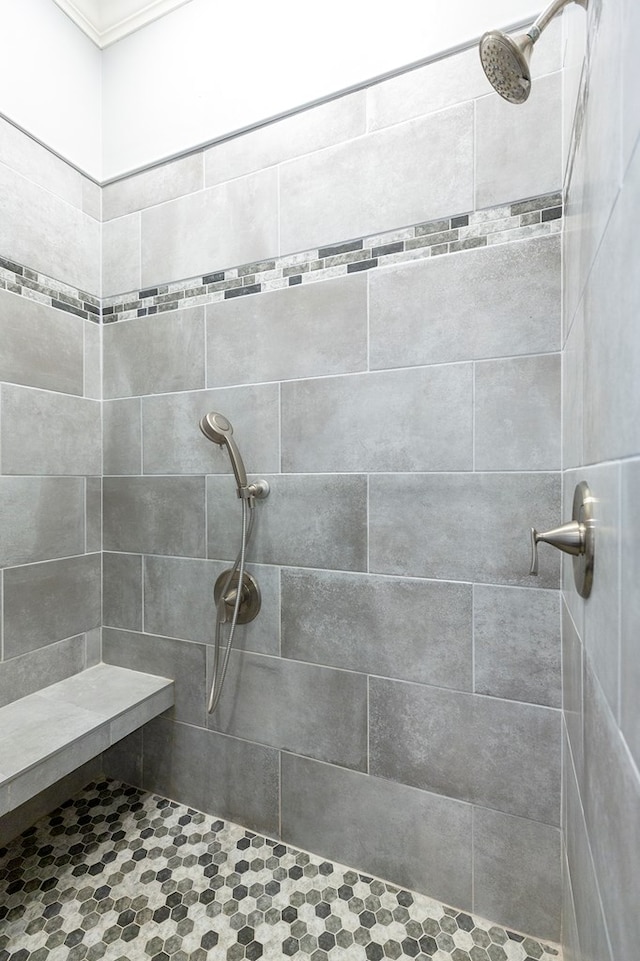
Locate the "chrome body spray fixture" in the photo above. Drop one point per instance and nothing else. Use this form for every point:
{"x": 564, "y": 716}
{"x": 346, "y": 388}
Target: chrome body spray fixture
{"x": 236, "y": 592}
{"x": 506, "y": 60}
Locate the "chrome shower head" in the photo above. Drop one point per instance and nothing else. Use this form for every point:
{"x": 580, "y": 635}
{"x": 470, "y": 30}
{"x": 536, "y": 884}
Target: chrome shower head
{"x": 217, "y": 428}
{"x": 505, "y": 61}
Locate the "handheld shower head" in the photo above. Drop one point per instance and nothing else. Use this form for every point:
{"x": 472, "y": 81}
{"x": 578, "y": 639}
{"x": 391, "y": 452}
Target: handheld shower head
{"x": 218, "y": 429}
{"x": 505, "y": 61}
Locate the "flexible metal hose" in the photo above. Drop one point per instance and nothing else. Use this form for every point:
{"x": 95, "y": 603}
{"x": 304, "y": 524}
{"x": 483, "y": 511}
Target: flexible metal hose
{"x": 217, "y": 681}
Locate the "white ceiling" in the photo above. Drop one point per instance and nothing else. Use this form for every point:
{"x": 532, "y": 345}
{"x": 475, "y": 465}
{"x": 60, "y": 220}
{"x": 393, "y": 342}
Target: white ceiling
{"x": 105, "y": 21}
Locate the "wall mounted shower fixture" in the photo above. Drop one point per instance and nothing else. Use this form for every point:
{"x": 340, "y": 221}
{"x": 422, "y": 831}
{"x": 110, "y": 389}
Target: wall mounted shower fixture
{"x": 576, "y": 537}
{"x": 506, "y": 60}
{"x": 236, "y": 593}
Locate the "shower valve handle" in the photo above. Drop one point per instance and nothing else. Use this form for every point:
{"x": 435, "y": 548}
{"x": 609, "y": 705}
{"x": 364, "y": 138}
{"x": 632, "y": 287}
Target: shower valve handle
{"x": 569, "y": 537}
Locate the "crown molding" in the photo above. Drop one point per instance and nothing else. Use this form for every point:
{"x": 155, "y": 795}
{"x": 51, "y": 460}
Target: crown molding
{"x": 106, "y": 23}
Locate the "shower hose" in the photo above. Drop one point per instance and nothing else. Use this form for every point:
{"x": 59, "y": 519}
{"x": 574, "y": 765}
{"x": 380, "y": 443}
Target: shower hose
{"x": 220, "y": 672}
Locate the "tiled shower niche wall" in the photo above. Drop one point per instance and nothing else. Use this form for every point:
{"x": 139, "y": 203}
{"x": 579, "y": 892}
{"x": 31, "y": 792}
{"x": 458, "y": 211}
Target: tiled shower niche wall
{"x": 396, "y": 703}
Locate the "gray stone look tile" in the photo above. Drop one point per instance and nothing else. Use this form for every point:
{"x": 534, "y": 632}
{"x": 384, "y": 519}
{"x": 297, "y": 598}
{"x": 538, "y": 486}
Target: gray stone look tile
{"x": 122, "y": 591}
{"x": 517, "y": 644}
{"x": 221, "y": 775}
{"x": 174, "y": 443}
{"x": 311, "y": 520}
{"x": 122, "y": 436}
{"x": 179, "y": 602}
{"x": 93, "y": 647}
{"x": 410, "y": 629}
{"x": 377, "y": 182}
{"x": 233, "y": 223}
{"x": 512, "y": 160}
{"x": 155, "y": 515}
{"x": 592, "y": 927}
{"x": 182, "y": 661}
{"x": 337, "y": 811}
{"x": 92, "y": 360}
{"x": 302, "y": 133}
{"x": 509, "y": 759}
{"x": 502, "y": 844}
{"x": 30, "y": 672}
{"x": 68, "y": 593}
{"x": 153, "y": 186}
{"x": 517, "y": 413}
{"x": 572, "y": 674}
{"x": 41, "y": 346}
{"x": 42, "y": 517}
{"x": 47, "y": 234}
{"x": 47, "y": 433}
{"x": 91, "y": 198}
{"x": 491, "y": 302}
{"x": 444, "y": 508}
{"x": 630, "y": 602}
{"x": 32, "y": 160}
{"x": 611, "y": 801}
{"x": 121, "y": 271}
{"x": 418, "y": 419}
{"x": 123, "y": 760}
{"x": 155, "y": 354}
{"x": 302, "y": 708}
{"x": 93, "y": 512}
{"x": 573, "y": 399}
{"x": 301, "y": 331}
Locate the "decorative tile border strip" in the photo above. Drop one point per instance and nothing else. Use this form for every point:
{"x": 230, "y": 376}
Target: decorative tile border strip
{"x": 117, "y": 874}
{"x": 538, "y": 217}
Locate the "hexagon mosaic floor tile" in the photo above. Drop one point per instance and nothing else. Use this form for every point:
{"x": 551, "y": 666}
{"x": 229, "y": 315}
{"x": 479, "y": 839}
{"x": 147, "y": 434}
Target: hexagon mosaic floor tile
{"x": 121, "y": 875}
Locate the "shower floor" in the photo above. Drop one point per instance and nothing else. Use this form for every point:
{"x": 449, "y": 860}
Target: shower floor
{"x": 122, "y": 875}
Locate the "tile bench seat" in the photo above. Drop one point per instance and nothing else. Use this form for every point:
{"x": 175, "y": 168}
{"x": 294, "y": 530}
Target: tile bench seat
{"x": 48, "y": 734}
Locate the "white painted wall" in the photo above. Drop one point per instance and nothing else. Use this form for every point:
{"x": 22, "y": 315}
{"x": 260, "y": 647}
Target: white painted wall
{"x": 50, "y": 80}
{"x": 210, "y": 68}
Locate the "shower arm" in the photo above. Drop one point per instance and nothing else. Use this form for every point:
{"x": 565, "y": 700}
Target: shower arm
{"x": 549, "y": 14}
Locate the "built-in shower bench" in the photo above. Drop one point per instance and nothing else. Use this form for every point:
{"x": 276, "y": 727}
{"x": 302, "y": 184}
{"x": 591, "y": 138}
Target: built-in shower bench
{"x": 46, "y": 735}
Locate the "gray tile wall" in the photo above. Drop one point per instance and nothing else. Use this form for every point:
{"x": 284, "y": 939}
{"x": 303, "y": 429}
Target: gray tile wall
{"x": 50, "y": 425}
{"x": 601, "y": 358}
{"x": 405, "y": 666}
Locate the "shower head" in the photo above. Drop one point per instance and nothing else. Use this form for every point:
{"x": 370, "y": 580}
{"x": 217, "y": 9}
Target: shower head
{"x": 505, "y": 61}
{"x": 217, "y": 428}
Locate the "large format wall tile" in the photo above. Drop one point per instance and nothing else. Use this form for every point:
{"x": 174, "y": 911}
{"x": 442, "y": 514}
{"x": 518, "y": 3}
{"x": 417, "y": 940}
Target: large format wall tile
{"x": 32, "y": 160}
{"x": 68, "y": 602}
{"x": 502, "y": 845}
{"x": 303, "y": 331}
{"x": 517, "y": 413}
{"x": 182, "y": 661}
{"x": 471, "y": 527}
{"x": 405, "y": 628}
{"x": 516, "y": 635}
{"x": 393, "y": 177}
{"x": 308, "y": 520}
{"x": 43, "y": 232}
{"x": 222, "y": 776}
{"x": 153, "y": 186}
{"x": 179, "y": 602}
{"x": 513, "y": 159}
{"x": 152, "y": 355}
{"x": 121, "y": 270}
{"x": 40, "y": 518}
{"x": 419, "y": 419}
{"x": 122, "y": 436}
{"x": 303, "y": 708}
{"x": 303, "y": 133}
{"x": 41, "y": 346}
{"x": 630, "y": 602}
{"x": 155, "y": 515}
{"x": 34, "y": 670}
{"x": 45, "y": 433}
{"x": 421, "y": 840}
{"x": 174, "y": 443}
{"x": 122, "y": 591}
{"x": 234, "y": 223}
{"x": 508, "y": 757}
{"x": 491, "y": 302}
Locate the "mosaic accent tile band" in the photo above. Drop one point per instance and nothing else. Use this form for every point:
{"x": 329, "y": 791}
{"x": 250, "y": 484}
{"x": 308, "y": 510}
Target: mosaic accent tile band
{"x": 121, "y": 875}
{"x": 538, "y": 217}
